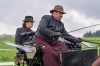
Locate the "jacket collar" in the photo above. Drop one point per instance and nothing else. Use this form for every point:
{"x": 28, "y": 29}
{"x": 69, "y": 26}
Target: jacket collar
{"x": 27, "y": 28}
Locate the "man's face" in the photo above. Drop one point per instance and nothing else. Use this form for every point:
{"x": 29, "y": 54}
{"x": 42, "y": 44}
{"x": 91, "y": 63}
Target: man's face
{"x": 58, "y": 15}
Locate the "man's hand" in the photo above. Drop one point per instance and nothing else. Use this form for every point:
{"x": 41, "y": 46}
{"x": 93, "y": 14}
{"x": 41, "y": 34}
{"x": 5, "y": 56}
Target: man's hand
{"x": 79, "y": 40}
{"x": 57, "y": 34}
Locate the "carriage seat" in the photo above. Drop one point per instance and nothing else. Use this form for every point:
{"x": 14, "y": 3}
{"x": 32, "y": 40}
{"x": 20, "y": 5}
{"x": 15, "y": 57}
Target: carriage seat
{"x": 29, "y": 43}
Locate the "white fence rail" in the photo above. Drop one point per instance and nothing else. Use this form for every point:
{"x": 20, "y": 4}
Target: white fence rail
{"x": 7, "y": 63}
{"x": 6, "y": 49}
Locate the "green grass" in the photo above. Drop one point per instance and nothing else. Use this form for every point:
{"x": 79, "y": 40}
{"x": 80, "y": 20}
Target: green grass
{"x": 3, "y": 46}
{"x": 7, "y": 55}
{"x": 93, "y": 39}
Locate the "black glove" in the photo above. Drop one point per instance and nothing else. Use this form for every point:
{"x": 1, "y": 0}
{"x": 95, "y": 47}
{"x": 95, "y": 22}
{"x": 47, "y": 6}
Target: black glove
{"x": 57, "y": 34}
{"x": 79, "y": 40}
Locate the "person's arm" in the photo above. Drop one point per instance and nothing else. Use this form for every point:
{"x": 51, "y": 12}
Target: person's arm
{"x": 18, "y": 37}
{"x": 43, "y": 27}
{"x": 67, "y": 36}
{"x": 70, "y": 37}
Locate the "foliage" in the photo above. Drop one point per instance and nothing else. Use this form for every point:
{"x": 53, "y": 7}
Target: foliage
{"x": 94, "y": 34}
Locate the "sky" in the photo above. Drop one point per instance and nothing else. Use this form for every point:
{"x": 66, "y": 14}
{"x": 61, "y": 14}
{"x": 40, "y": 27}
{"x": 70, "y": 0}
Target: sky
{"x": 80, "y": 13}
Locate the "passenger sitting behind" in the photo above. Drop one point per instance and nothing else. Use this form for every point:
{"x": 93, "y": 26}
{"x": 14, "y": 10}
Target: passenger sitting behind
{"x": 26, "y": 27}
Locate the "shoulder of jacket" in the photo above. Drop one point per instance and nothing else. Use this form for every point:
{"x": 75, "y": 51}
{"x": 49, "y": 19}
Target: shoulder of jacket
{"x": 20, "y": 28}
{"x": 46, "y": 17}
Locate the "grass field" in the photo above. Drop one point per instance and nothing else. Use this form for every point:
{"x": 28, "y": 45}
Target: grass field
{"x": 3, "y": 46}
{"x": 8, "y": 55}
{"x": 93, "y": 39}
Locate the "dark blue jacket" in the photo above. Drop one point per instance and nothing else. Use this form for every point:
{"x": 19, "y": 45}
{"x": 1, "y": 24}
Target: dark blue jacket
{"x": 20, "y": 40}
{"x": 48, "y": 25}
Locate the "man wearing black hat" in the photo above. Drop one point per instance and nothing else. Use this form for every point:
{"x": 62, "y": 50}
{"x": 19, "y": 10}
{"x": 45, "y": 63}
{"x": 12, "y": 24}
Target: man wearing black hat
{"x": 48, "y": 32}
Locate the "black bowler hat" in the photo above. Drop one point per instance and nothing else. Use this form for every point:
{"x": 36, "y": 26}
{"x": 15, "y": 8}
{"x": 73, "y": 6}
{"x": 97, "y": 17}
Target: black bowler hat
{"x": 28, "y": 19}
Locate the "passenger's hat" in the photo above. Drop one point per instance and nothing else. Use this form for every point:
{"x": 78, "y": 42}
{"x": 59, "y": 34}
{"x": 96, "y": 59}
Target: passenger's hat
{"x": 28, "y": 19}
